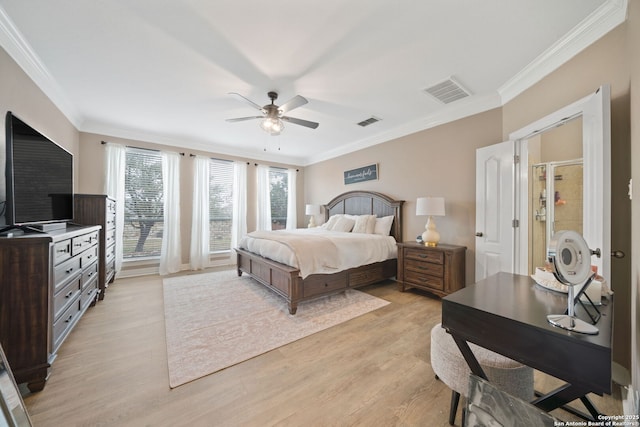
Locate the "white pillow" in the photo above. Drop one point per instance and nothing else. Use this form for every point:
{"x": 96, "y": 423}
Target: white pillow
{"x": 364, "y": 224}
{"x": 383, "y": 225}
{"x": 332, "y": 220}
{"x": 343, "y": 224}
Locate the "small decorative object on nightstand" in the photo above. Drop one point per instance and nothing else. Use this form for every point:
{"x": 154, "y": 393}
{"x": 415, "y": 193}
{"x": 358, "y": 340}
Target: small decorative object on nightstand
{"x": 439, "y": 270}
{"x": 312, "y": 211}
{"x": 431, "y": 206}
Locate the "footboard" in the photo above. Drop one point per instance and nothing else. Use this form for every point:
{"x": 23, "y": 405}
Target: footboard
{"x": 280, "y": 278}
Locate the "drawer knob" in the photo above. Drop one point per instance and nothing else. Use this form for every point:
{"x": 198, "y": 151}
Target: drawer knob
{"x": 69, "y": 319}
{"x": 69, "y": 270}
{"x": 68, "y": 295}
{"x": 479, "y": 234}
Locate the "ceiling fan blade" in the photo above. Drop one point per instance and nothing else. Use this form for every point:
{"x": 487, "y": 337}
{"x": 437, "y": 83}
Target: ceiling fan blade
{"x": 240, "y": 119}
{"x": 247, "y": 100}
{"x": 305, "y": 123}
{"x": 294, "y": 102}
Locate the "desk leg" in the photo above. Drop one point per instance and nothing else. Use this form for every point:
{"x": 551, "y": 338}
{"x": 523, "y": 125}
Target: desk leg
{"x": 469, "y": 357}
{"x": 563, "y": 395}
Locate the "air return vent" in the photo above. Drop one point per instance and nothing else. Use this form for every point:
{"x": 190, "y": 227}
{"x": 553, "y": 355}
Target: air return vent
{"x": 371, "y": 120}
{"x": 447, "y": 91}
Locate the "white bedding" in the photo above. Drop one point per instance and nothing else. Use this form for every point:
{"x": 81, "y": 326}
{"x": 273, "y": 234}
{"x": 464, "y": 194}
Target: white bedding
{"x": 319, "y": 251}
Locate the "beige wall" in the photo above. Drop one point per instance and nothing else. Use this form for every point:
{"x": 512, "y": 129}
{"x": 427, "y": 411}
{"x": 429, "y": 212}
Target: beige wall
{"x": 434, "y": 162}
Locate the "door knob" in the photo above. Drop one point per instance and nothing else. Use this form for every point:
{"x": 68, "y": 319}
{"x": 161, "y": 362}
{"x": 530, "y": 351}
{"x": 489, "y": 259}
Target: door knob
{"x": 479, "y": 234}
{"x": 617, "y": 254}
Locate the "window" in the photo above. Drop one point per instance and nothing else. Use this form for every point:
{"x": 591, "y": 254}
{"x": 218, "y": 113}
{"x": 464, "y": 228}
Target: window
{"x": 279, "y": 189}
{"x": 220, "y": 205}
{"x": 143, "y": 206}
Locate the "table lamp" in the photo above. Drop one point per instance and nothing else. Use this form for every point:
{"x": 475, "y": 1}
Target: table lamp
{"x": 431, "y": 206}
{"x": 312, "y": 211}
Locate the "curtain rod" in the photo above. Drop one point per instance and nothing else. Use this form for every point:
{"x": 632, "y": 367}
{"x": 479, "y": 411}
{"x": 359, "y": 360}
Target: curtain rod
{"x": 140, "y": 148}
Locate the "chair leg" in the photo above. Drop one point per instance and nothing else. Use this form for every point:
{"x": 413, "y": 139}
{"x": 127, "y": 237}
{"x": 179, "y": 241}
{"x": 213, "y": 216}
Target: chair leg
{"x": 455, "y": 398}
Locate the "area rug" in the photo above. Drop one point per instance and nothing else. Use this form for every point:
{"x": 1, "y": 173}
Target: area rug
{"x": 216, "y": 320}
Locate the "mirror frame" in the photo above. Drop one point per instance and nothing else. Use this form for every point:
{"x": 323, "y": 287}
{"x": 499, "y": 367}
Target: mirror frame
{"x": 595, "y": 110}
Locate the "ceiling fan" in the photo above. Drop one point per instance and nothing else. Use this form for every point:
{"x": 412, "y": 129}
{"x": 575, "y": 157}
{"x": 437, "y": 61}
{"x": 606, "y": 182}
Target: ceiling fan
{"x": 273, "y": 115}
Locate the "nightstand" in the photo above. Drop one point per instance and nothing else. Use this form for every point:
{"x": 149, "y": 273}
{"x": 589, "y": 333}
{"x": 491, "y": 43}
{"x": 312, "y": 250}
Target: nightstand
{"x": 439, "y": 270}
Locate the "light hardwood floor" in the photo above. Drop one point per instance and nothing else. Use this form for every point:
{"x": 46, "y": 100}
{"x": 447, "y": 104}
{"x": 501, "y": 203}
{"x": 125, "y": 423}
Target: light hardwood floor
{"x": 371, "y": 371}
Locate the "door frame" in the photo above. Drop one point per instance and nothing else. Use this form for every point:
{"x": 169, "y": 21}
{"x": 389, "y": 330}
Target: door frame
{"x": 596, "y": 147}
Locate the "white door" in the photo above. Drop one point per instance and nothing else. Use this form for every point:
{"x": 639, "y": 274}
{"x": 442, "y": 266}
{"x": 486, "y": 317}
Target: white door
{"x": 494, "y": 209}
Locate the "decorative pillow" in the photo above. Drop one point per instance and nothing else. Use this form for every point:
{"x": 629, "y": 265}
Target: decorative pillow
{"x": 332, "y": 221}
{"x": 343, "y": 224}
{"x": 364, "y": 224}
{"x": 383, "y": 225}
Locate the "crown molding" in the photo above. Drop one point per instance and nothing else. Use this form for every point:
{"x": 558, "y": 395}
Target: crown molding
{"x": 454, "y": 111}
{"x": 600, "y": 22}
{"x": 19, "y": 49}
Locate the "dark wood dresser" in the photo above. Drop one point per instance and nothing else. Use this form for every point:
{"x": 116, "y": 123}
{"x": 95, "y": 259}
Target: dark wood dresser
{"x": 439, "y": 270}
{"x": 99, "y": 209}
{"x": 48, "y": 281}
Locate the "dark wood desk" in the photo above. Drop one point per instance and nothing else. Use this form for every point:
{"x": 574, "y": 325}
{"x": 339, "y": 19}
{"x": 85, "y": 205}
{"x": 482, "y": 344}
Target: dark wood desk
{"x": 507, "y": 314}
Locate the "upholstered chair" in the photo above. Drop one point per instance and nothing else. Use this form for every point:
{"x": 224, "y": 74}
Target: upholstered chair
{"x": 451, "y": 368}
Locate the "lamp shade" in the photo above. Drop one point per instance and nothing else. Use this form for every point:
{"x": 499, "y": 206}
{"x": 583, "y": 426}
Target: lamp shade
{"x": 312, "y": 210}
{"x": 433, "y": 206}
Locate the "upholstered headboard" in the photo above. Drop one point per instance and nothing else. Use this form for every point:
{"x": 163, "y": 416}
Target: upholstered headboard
{"x": 367, "y": 203}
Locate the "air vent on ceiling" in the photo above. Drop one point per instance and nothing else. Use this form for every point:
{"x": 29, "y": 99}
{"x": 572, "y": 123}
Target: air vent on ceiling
{"x": 447, "y": 91}
{"x": 371, "y": 120}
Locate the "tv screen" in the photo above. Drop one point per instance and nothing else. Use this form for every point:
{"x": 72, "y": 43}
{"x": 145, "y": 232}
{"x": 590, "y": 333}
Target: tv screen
{"x": 39, "y": 176}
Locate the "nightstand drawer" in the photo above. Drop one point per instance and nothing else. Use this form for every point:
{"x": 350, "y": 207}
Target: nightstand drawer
{"x": 422, "y": 267}
{"x": 424, "y": 255}
{"x": 422, "y": 279}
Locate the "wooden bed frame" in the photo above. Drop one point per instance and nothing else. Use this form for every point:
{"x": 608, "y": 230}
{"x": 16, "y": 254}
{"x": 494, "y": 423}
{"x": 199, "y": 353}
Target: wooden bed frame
{"x": 286, "y": 281}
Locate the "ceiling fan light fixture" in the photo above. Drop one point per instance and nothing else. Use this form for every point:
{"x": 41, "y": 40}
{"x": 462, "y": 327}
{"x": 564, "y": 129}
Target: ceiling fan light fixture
{"x": 272, "y": 126}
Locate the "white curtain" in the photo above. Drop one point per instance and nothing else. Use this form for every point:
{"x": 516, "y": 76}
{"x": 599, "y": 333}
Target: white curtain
{"x": 239, "y": 220}
{"x": 170, "y": 259}
{"x": 292, "y": 213}
{"x": 115, "y": 163}
{"x": 264, "y": 198}
{"x": 199, "y": 254}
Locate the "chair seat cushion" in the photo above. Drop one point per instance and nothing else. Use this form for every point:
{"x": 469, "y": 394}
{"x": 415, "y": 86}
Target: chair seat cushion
{"x": 451, "y": 367}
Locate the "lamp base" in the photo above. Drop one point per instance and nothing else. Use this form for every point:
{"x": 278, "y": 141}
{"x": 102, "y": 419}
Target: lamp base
{"x": 572, "y": 324}
{"x": 430, "y": 236}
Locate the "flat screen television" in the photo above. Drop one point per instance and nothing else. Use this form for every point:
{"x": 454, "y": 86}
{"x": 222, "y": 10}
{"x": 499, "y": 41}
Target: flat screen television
{"x": 39, "y": 177}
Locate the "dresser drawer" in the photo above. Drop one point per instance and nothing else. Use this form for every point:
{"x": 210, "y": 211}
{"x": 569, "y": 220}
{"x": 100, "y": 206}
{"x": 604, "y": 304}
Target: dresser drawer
{"x": 61, "y": 251}
{"x": 63, "y": 272}
{"x": 110, "y": 237}
{"x": 62, "y": 326}
{"x": 424, "y": 280}
{"x": 89, "y": 272}
{"x": 110, "y": 222}
{"x": 83, "y": 242}
{"x": 424, "y": 267}
{"x": 321, "y": 285}
{"x": 65, "y": 297}
{"x": 424, "y": 255}
{"x": 89, "y": 292}
{"x": 89, "y": 256}
{"x": 110, "y": 271}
